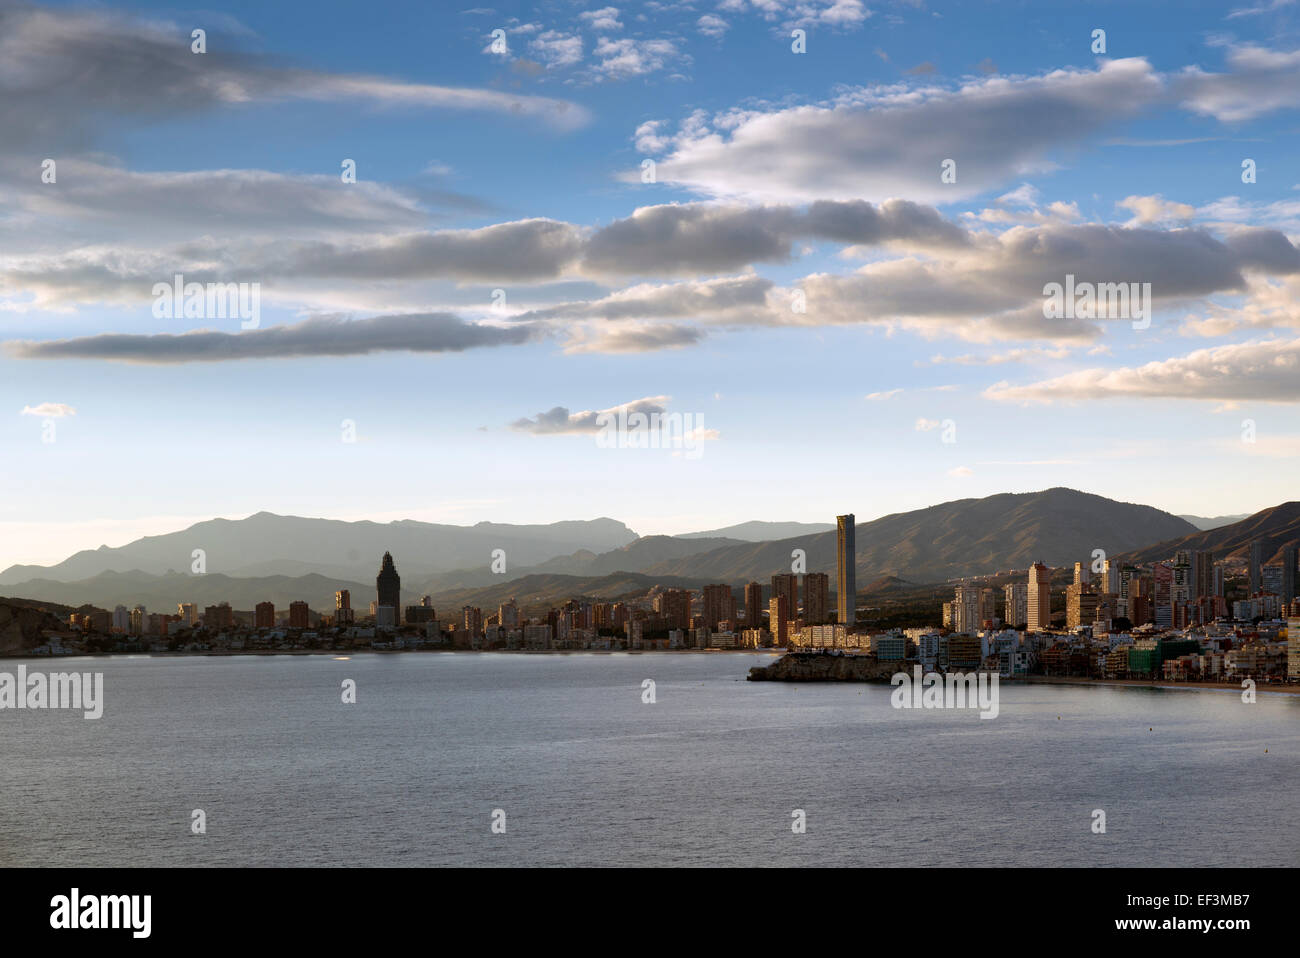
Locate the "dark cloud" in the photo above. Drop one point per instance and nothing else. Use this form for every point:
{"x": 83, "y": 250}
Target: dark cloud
{"x": 322, "y": 336}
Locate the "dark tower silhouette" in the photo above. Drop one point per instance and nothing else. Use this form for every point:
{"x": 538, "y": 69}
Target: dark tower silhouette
{"x": 388, "y": 584}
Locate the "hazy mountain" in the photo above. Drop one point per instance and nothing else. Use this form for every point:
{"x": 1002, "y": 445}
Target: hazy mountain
{"x": 1205, "y": 523}
{"x": 265, "y": 544}
{"x": 962, "y": 538}
{"x": 547, "y": 591}
{"x": 633, "y": 557}
{"x": 761, "y": 531}
{"x": 1277, "y": 528}
{"x": 161, "y": 593}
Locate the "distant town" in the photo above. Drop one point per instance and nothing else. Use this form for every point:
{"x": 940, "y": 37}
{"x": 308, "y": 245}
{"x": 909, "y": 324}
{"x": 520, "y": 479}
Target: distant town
{"x": 1186, "y": 619}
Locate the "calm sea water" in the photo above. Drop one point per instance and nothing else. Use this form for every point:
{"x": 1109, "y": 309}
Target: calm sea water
{"x": 589, "y": 775}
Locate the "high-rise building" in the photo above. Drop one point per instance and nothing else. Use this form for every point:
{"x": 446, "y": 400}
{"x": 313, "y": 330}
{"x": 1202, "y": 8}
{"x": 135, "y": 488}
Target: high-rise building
{"x": 388, "y": 585}
{"x": 1039, "y": 616}
{"x": 1017, "y": 604}
{"x": 471, "y": 621}
{"x": 674, "y": 607}
{"x": 1289, "y": 574}
{"x": 719, "y": 605}
{"x": 220, "y": 616}
{"x": 1082, "y": 573}
{"x": 965, "y": 609}
{"x": 508, "y": 615}
{"x": 816, "y": 598}
{"x": 189, "y": 612}
{"x": 778, "y": 620}
{"x": 754, "y": 605}
{"x": 1202, "y": 574}
{"x": 1182, "y": 582}
{"x": 264, "y": 615}
{"x": 1110, "y": 576}
{"x": 343, "y": 614}
{"x": 846, "y": 583}
{"x": 299, "y": 617}
{"x": 1256, "y": 560}
{"x": 787, "y": 584}
{"x": 1162, "y": 609}
{"x": 1080, "y": 605}
{"x": 988, "y": 608}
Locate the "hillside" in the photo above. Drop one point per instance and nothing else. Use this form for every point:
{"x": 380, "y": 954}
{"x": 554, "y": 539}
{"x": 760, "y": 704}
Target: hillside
{"x": 962, "y": 538}
{"x": 1277, "y": 528}
{"x": 265, "y": 544}
{"x": 761, "y": 531}
{"x": 21, "y": 624}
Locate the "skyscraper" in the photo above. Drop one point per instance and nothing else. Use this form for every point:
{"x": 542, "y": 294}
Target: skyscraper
{"x": 846, "y": 583}
{"x": 1017, "y": 610}
{"x": 787, "y": 584}
{"x": 264, "y": 615}
{"x": 1256, "y": 560}
{"x": 816, "y": 590}
{"x": 1040, "y": 598}
{"x": 754, "y": 605}
{"x": 966, "y": 609}
{"x": 718, "y": 605}
{"x": 343, "y": 608}
{"x": 778, "y": 620}
{"x": 1288, "y": 574}
{"x": 388, "y": 585}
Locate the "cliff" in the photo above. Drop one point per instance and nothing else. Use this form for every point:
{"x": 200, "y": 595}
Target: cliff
{"x": 21, "y": 626}
{"x": 826, "y": 667}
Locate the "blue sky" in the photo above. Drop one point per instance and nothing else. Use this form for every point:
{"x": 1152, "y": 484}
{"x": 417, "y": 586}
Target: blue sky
{"x": 776, "y": 173}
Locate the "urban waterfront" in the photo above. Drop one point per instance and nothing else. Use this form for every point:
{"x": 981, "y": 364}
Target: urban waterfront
{"x": 588, "y": 773}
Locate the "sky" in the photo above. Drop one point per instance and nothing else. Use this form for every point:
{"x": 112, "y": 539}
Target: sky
{"x": 820, "y": 233}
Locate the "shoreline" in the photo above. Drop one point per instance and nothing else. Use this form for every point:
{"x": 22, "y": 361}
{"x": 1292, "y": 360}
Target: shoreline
{"x": 1278, "y": 687}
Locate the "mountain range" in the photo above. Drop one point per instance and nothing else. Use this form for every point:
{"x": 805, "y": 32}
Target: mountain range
{"x": 1277, "y": 528}
{"x": 282, "y": 558}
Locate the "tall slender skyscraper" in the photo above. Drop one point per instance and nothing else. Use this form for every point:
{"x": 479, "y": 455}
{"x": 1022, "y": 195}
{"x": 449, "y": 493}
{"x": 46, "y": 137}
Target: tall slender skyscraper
{"x": 846, "y": 583}
{"x": 1289, "y": 574}
{"x": 1039, "y": 613}
{"x": 754, "y": 605}
{"x": 388, "y": 586}
{"x": 1256, "y": 560}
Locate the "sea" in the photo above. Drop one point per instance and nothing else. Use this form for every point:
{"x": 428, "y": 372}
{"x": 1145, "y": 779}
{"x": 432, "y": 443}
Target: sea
{"x": 625, "y": 759}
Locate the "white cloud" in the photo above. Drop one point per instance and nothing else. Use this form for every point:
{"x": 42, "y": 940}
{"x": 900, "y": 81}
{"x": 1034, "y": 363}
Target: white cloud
{"x": 885, "y": 141}
{"x": 556, "y": 49}
{"x": 711, "y": 25}
{"x": 560, "y": 422}
{"x": 604, "y": 20}
{"x": 1262, "y": 371}
{"x": 627, "y": 57}
{"x": 49, "y": 410}
{"x": 1155, "y": 209}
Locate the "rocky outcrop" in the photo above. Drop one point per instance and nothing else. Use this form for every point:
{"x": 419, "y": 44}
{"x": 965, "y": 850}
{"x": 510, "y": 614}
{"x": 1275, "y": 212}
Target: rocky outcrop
{"x": 21, "y": 626}
{"x": 831, "y": 666}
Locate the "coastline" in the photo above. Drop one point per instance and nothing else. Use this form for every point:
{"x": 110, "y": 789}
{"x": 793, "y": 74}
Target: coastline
{"x": 1161, "y": 684}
